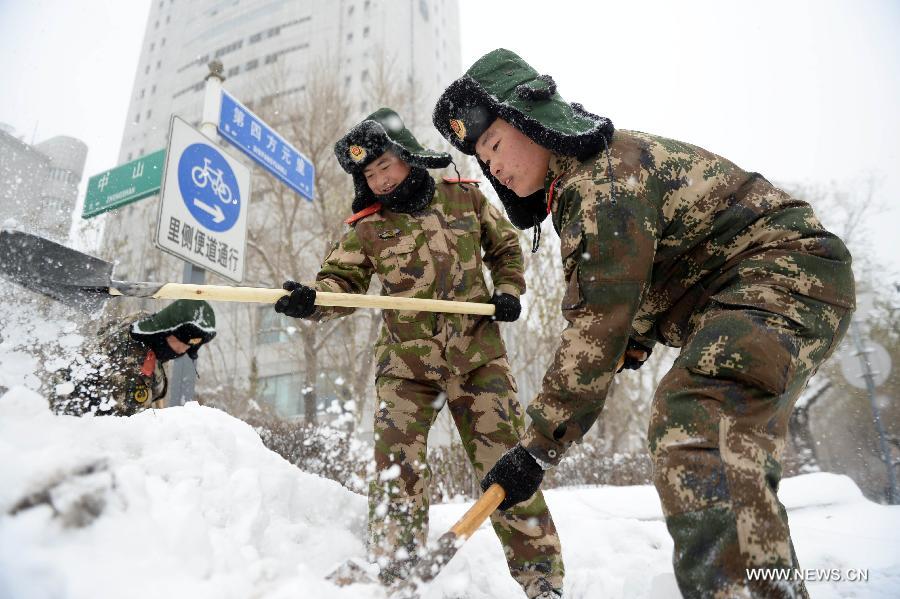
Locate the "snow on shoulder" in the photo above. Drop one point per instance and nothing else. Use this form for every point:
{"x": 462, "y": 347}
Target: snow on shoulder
{"x": 181, "y": 502}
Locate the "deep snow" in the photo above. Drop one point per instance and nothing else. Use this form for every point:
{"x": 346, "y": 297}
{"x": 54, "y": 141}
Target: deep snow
{"x": 191, "y": 504}
{"x": 187, "y": 502}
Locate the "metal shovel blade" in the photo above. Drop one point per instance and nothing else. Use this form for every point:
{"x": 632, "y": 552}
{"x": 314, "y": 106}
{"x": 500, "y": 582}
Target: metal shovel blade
{"x": 353, "y": 571}
{"x": 431, "y": 564}
{"x": 69, "y": 276}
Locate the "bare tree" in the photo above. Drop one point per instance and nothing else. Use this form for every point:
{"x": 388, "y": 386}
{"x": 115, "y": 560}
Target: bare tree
{"x": 288, "y": 237}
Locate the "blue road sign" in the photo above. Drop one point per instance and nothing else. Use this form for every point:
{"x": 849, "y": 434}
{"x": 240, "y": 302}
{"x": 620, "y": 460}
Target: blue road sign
{"x": 208, "y": 187}
{"x": 260, "y": 142}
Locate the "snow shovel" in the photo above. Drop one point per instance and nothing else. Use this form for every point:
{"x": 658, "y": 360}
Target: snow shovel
{"x": 85, "y": 282}
{"x": 431, "y": 564}
{"x": 428, "y": 567}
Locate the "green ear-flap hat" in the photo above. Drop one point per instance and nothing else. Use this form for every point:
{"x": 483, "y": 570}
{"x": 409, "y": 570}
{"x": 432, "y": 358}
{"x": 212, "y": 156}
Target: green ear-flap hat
{"x": 191, "y": 321}
{"x": 379, "y": 132}
{"x": 501, "y": 84}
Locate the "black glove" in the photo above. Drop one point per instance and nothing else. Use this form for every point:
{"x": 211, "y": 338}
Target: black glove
{"x": 633, "y": 351}
{"x": 300, "y": 303}
{"x": 507, "y": 307}
{"x": 518, "y": 473}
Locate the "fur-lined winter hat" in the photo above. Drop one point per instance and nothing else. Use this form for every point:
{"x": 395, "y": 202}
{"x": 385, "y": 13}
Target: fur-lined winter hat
{"x": 381, "y": 131}
{"x": 501, "y": 84}
{"x": 191, "y": 321}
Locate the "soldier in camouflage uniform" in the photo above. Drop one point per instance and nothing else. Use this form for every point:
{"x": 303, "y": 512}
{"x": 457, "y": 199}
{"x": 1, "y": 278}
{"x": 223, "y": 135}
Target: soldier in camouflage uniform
{"x": 662, "y": 241}
{"x": 121, "y": 371}
{"x": 424, "y": 239}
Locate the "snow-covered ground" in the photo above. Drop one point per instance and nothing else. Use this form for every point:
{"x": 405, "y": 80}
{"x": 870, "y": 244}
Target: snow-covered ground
{"x": 187, "y": 502}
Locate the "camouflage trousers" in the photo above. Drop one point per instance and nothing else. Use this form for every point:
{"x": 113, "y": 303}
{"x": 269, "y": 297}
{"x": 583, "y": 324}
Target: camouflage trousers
{"x": 490, "y": 420}
{"x": 717, "y": 432}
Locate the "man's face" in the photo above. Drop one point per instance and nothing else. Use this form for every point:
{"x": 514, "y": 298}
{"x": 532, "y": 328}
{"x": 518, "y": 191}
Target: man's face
{"x": 178, "y": 346}
{"x": 512, "y": 158}
{"x": 386, "y": 173}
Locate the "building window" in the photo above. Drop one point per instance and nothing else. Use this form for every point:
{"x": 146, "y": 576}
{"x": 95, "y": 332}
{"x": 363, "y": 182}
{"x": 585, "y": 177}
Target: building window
{"x": 137, "y": 118}
{"x": 365, "y": 75}
{"x": 273, "y": 327}
{"x": 153, "y": 89}
{"x": 147, "y": 70}
{"x": 273, "y": 32}
{"x": 366, "y": 31}
{"x": 271, "y": 58}
{"x": 142, "y": 92}
{"x": 351, "y": 9}
{"x": 347, "y": 80}
{"x": 251, "y": 65}
{"x": 255, "y": 38}
{"x": 152, "y": 46}
{"x": 129, "y": 157}
{"x": 156, "y": 25}
{"x": 162, "y": 42}
{"x": 233, "y": 71}
{"x": 168, "y": 18}
{"x": 229, "y": 48}
{"x": 149, "y": 112}
{"x": 158, "y": 64}
{"x": 284, "y": 392}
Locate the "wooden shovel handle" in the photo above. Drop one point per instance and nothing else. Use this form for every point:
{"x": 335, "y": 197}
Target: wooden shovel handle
{"x": 226, "y": 293}
{"x": 466, "y": 526}
{"x": 478, "y": 513}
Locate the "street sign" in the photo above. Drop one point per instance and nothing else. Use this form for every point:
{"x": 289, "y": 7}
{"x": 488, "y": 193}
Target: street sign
{"x": 203, "y": 209}
{"x": 124, "y": 184}
{"x": 260, "y": 142}
{"x": 853, "y": 368}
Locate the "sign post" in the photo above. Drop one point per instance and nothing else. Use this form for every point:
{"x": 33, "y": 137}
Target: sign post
{"x": 870, "y": 362}
{"x": 202, "y": 209}
{"x": 124, "y": 184}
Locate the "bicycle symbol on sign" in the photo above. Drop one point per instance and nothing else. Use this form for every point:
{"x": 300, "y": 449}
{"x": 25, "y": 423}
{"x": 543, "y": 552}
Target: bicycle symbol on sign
{"x": 207, "y": 174}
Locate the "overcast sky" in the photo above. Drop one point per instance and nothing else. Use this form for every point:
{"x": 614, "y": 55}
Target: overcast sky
{"x": 801, "y": 91}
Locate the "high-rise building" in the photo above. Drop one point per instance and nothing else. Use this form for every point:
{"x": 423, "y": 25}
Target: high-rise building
{"x": 39, "y": 183}
{"x": 418, "y": 40}
{"x": 260, "y": 42}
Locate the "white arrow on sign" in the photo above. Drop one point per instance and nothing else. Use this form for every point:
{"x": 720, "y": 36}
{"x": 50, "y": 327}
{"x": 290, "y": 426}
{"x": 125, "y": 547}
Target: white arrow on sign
{"x": 214, "y": 211}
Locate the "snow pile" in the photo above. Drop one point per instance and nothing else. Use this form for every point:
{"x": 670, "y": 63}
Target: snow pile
{"x": 183, "y": 502}
{"x": 186, "y": 502}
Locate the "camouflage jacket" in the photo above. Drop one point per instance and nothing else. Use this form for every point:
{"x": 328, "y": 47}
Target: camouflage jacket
{"x": 432, "y": 254}
{"x": 112, "y": 375}
{"x": 679, "y": 226}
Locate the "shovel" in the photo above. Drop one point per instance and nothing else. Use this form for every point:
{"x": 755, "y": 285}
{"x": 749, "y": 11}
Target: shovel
{"x": 85, "y": 282}
{"x": 353, "y": 572}
{"x": 431, "y": 564}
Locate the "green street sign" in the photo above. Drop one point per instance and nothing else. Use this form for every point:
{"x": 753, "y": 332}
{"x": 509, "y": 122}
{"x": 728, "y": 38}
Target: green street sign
{"x": 124, "y": 184}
